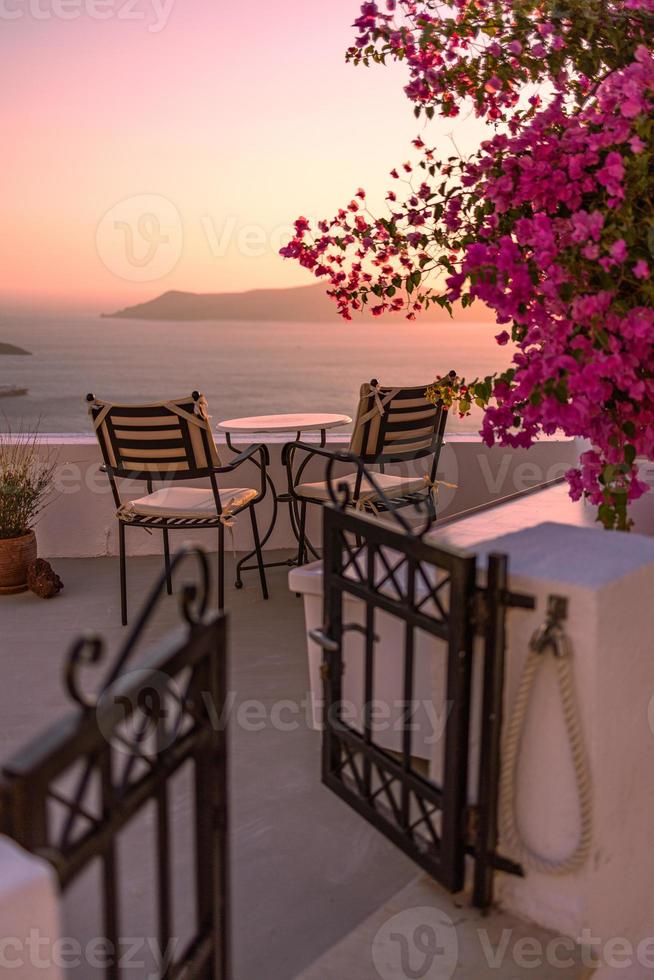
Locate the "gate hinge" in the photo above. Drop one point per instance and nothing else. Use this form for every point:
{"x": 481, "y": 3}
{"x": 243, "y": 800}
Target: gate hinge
{"x": 472, "y": 822}
{"x": 471, "y": 825}
{"x": 480, "y": 611}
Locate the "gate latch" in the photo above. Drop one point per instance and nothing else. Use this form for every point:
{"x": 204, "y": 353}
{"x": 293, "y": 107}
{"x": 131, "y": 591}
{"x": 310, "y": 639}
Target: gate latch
{"x": 329, "y": 645}
{"x": 320, "y": 636}
{"x": 481, "y": 605}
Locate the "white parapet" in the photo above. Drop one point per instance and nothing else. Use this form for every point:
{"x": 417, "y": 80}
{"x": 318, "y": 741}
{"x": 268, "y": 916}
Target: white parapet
{"x": 31, "y": 945}
{"x": 608, "y": 579}
{"x": 81, "y": 519}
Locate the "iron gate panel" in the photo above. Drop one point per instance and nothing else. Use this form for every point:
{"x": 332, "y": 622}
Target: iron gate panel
{"x": 68, "y": 795}
{"x": 435, "y": 591}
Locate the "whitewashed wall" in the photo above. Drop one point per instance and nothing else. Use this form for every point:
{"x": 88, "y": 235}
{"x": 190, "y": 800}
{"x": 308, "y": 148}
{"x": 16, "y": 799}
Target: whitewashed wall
{"x": 609, "y": 582}
{"x": 81, "y": 519}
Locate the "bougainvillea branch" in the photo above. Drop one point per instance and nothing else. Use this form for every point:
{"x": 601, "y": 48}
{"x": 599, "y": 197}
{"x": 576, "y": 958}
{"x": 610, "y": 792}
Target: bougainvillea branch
{"x": 550, "y": 223}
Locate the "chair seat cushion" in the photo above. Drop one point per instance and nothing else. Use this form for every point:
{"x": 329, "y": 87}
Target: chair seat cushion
{"x": 391, "y": 484}
{"x": 189, "y": 502}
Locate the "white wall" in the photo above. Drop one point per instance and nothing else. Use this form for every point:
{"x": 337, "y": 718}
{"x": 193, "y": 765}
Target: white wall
{"x": 609, "y": 582}
{"x": 81, "y": 519}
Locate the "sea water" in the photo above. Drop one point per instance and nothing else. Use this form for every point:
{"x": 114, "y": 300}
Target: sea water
{"x": 244, "y": 368}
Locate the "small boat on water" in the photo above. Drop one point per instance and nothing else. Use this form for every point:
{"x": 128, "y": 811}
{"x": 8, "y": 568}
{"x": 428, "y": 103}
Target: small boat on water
{"x": 9, "y": 391}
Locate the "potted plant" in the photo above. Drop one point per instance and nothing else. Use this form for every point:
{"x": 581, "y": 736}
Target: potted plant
{"x": 26, "y": 477}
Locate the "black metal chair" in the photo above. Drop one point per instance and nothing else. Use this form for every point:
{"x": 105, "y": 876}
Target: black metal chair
{"x": 392, "y": 426}
{"x": 169, "y": 442}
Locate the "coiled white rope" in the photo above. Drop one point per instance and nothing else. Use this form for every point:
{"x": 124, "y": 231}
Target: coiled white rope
{"x": 549, "y": 637}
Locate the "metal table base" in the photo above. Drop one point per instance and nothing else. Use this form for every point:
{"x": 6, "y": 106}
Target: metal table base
{"x": 277, "y": 498}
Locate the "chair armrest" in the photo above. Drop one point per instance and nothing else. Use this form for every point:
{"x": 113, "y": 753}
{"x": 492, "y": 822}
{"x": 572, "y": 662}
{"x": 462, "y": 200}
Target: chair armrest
{"x": 310, "y": 451}
{"x": 288, "y": 449}
{"x": 256, "y": 447}
{"x": 249, "y": 454}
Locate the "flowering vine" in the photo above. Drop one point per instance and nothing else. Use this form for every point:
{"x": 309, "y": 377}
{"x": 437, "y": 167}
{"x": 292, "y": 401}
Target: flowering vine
{"x": 550, "y": 223}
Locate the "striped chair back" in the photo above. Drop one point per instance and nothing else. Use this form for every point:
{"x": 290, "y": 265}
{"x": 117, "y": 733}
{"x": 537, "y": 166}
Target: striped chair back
{"x": 396, "y": 424}
{"x": 161, "y": 441}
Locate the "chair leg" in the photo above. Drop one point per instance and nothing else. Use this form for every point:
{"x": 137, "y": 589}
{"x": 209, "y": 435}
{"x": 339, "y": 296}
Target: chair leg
{"x": 123, "y": 573}
{"x": 431, "y": 510}
{"x": 257, "y": 545}
{"x": 169, "y": 579}
{"x": 221, "y": 567}
{"x": 302, "y": 531}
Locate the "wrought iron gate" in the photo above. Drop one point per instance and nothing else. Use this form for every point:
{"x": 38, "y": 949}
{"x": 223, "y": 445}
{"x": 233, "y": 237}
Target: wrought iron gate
{"x": 433, "y": 593}
{"x": 69, "y": 795}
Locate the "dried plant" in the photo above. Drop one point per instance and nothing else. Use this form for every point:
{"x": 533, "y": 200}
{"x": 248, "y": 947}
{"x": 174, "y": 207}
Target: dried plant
{"x": 26, "y": 481}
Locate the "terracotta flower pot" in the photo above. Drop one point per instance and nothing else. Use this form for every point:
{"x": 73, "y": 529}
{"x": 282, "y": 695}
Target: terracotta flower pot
{"x": 15, "y": 556}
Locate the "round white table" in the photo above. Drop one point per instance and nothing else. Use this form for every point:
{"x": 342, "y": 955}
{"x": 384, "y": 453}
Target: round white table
{"x": 301, "y": 422}
{"x": 274, "y": 425}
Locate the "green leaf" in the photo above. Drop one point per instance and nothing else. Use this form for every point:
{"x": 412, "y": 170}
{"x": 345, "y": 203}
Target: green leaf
{"x": 650, "y": 240}
{"x": 629, "y": 454}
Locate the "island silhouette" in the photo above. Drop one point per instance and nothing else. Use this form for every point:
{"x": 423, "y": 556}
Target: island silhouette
{"x": 298, "y": 303}
{"x": 12, "y": 349}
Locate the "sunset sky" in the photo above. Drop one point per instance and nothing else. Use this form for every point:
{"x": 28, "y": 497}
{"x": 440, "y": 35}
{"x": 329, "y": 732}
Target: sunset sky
{"x": 219, "y": 121}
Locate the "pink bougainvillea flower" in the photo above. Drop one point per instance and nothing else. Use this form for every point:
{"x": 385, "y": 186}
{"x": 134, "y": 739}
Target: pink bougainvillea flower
{"x": 618, "y": 250}
{"x": 548, "y": 223}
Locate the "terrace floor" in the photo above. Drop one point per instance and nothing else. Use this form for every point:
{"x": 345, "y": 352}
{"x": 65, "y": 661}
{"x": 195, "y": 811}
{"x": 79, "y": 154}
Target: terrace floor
{"x": 305, "y": 868}
{"x": 312, "y": 882}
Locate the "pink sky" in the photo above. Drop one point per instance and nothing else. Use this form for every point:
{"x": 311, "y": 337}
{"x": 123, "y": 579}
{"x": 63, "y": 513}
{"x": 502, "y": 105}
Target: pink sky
{"x": 222, "y": 120}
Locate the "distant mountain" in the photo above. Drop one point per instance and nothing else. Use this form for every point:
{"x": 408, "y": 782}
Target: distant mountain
{"x": 12, "y": 349}
{"x": 308, "y": 303}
